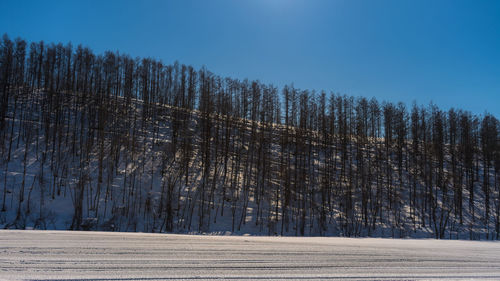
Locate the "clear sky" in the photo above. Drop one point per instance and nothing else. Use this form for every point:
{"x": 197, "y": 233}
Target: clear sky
{"x": 445, "y": 51}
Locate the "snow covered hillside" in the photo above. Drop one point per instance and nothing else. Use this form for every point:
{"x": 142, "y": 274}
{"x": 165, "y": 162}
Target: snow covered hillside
{"x": 107, "y": 142}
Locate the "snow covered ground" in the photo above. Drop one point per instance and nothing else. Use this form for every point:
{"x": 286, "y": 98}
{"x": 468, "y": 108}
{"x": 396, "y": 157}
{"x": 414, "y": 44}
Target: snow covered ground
{"x": 67, "y": 255}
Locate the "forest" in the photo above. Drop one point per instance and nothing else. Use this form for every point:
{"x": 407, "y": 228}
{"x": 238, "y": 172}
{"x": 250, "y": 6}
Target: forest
{"x": 111, "y": 142}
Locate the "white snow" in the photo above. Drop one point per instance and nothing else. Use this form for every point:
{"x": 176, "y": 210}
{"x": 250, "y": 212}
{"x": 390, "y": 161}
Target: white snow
{"x": 66, "y": 255}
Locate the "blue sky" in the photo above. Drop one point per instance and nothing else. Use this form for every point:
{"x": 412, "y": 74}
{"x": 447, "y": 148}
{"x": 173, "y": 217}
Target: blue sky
{"x": 447, "y": 51}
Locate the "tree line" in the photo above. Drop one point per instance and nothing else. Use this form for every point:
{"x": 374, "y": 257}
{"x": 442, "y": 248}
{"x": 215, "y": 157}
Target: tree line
{"x": 134, "y": 144}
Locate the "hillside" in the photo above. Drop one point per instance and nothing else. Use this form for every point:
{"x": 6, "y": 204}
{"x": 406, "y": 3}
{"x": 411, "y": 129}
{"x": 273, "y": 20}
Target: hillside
{"x": 108, "y": 142}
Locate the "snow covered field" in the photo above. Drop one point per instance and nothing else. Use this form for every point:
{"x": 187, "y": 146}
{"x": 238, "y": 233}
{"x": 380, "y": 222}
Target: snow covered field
{"x": 69, "y": 255}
